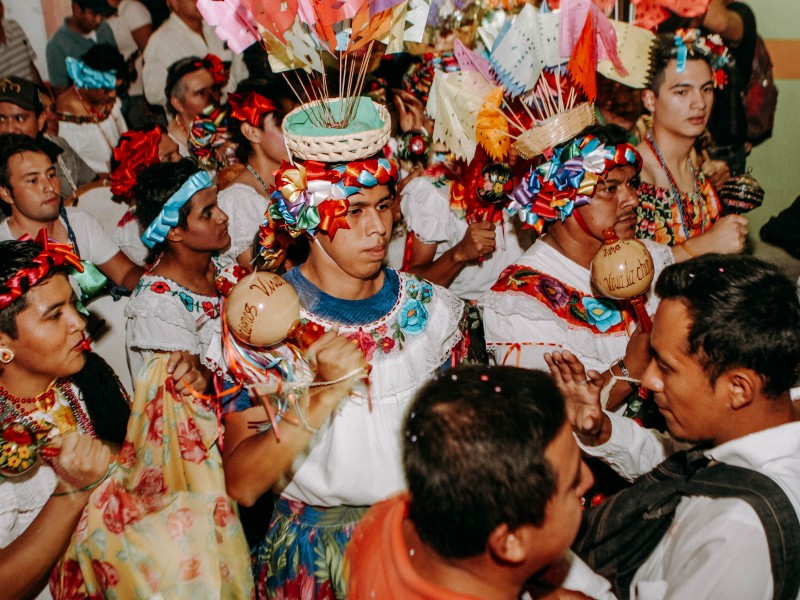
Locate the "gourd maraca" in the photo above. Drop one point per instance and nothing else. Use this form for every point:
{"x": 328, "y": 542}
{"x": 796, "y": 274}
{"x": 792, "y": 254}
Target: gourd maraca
{"x": 263, "y": 309}
{"x": 623, "y": 270}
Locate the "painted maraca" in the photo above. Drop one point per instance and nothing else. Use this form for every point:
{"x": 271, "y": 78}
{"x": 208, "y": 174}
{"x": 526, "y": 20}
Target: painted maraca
{"x": 623, "y": 270}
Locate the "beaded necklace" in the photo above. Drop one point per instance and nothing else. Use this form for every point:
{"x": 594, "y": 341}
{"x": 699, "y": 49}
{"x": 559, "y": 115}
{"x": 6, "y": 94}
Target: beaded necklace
{"x": 258, "y": 178}
{"x": 685, "y": 201}
{"x": 15, "y": 408}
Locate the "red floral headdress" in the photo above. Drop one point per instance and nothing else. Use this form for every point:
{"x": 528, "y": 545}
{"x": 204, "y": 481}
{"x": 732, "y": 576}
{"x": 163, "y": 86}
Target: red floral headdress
{"x": 249, "y": 107}
{"x": 53, "y": 255}
{"x": 135, "y": 151}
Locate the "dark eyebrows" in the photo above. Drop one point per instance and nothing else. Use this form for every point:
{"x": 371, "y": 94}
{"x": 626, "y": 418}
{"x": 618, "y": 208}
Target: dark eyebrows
{"x": 363, "y": 203}
{"x": 53, "y": 307}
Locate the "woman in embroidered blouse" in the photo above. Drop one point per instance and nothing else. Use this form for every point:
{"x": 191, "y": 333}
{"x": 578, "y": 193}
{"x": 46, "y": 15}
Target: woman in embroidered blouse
{"x": 677, "y": 205}
{"x": 89, "y": 111}
{"x": 47, "y": 383}
{"x": 256, "y": 112}
{"x": 175, "y": 303}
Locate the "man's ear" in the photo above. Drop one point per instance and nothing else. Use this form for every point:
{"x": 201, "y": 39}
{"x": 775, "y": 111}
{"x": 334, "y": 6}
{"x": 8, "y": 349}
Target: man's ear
{"x": 177, "y": 104}
{"x": 649, "y": 100}
{"x": 40, "y": 121}
{"x": 507, "y": 545}
{"x": 741, "y": 386}
{"x": 5, "y": 195}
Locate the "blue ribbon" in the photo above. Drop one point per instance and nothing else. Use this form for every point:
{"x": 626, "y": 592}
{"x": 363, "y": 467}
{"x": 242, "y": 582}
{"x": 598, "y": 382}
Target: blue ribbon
{"x": 85, "y": 77}
{"x": 683, "y": 52}
{"x": 169, "y": 216}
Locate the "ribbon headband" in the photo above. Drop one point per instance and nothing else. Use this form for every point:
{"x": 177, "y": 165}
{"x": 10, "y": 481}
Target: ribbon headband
{"x": 313, "y": 195}
{"x": 691, "y": 42}
{"x": 169, "y": 216}
{"x": 53, "y": 255}
{"x": 249, "y": 107}
{"x": 85, "y": 77}
{"x": 554, "y": 189}
{"x": 135, "y": 151}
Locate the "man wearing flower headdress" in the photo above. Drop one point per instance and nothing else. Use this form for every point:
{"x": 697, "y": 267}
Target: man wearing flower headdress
{"x": 343, "y": 459}
{"x": 182, "y": 35}
{"x": 546, "y": 302}
{"x": 677, "y": 205}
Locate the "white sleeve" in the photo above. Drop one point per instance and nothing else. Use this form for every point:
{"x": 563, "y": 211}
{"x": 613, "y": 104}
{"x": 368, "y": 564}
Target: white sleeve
{"x": 633, "y": 450}
{"x": 136, "y": 15}
{"x": 581, "y": 578}
{"x": 427, "y": 211}
{"x": 154, "y": 72}
{"x": 94, "y": 243}
{"x": 245, "y": 208}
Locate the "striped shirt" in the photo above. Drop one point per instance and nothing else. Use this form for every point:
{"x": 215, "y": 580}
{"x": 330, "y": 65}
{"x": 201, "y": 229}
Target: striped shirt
{"x": 16, "y": 55}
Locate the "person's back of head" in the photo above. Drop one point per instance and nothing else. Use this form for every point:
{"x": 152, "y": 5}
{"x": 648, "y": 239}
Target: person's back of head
{"x": 745, "y": 314}
{"x": 480, "y": 457}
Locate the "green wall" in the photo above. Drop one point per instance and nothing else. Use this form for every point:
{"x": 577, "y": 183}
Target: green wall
{"x": 776, "y": 162}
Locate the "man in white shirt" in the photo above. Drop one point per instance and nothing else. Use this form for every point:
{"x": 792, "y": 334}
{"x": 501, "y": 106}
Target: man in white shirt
{"x": 723, "y": 360}
{"x": 31, "y": 192}
{"x": 183, "y": 34}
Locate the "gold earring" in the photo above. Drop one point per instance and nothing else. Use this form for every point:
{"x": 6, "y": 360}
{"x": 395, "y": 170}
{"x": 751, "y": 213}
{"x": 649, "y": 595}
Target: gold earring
{"x": 6, "y": 355}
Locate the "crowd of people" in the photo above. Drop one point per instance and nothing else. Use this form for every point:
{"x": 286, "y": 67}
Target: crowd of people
{"x": 362, "y": 366}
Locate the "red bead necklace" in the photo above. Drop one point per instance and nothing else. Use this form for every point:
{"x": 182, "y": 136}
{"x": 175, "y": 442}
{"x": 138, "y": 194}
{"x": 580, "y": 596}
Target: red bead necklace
{"x": 44, "y": 402}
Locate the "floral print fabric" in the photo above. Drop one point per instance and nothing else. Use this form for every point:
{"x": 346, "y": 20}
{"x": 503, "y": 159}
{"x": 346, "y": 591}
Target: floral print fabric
{"x": 162, "y": 524}
{"x": 301, "y": 557}
{"x": 601, "y": 315}
{"x": 658, "y": 217}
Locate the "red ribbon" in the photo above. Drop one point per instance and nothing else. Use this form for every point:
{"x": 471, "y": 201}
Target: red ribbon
{"x": 249, "y": 107}
{"x": 54, "y": 254}
{"x": 214, "y": 64}
{"x": 135, "y": 151}
{"x": 333, "y": 215}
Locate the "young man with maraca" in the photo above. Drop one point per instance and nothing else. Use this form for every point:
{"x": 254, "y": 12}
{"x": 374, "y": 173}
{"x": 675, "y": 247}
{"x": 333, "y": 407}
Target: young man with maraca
{"x": 342, "y": 457}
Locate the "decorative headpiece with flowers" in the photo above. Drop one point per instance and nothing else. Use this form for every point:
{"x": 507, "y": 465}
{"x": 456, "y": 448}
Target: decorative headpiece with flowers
{"x": 135, "y": 151}
{"x": 554, "y": 189}
{"x": 691, "y": 42}
{"x": 53, "y": 255}
{"x": 313, "y": 195}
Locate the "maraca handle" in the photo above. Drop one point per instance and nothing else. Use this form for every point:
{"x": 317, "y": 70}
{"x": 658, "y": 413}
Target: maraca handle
{"x": 641, "y": 313}
{"x": 305, "y": 334}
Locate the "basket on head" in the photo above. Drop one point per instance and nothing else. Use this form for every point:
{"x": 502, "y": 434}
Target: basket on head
{"x": 554, "y": 130}
{"x": 365, "y": 134}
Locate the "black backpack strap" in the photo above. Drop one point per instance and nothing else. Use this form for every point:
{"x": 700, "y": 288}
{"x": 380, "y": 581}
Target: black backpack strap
{"x": 618, "y": 536}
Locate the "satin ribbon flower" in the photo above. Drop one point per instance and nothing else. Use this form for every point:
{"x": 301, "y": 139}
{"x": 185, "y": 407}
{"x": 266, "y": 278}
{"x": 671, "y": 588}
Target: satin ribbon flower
{"x": 85, "y": 77}
{"x": 169, "y": 216}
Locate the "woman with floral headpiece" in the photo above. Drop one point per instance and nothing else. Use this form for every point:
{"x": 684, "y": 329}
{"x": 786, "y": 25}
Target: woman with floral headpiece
{"x": 345, "y": 453}
{"x": 89, "y": 112}
{"x": 256, "y": 112}
{"x": 62, "y": 393}
{"x": 677, "y": 205}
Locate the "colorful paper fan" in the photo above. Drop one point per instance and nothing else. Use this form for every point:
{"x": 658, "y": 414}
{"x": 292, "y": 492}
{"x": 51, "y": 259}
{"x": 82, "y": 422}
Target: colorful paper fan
{"x": 634, "y": 45}
{"x": 296, "y": 33}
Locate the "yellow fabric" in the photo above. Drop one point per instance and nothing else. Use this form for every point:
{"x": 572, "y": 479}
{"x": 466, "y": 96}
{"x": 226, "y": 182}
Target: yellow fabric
{"x": 162, "y": 523}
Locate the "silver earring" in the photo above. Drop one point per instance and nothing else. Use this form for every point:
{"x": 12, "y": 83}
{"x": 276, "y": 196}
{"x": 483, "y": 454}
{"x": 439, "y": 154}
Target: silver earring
{"x": 6, "y": 355}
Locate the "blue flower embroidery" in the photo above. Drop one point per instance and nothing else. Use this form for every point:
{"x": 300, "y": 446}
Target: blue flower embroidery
{"x": 412, "y": 317}
{"x": 426, "y": 291}
{"x": 600, "y": 313}
{"x": 187, "y": 300}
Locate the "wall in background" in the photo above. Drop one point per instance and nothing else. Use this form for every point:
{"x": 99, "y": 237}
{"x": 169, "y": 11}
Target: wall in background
{"x": 776, "y": 163}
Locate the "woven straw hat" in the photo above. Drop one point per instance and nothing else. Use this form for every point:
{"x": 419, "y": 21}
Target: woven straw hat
{"x": 337, "y": 147}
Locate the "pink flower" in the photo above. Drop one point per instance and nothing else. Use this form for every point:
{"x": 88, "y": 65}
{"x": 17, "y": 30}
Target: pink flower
{"x": 191, "y": 443}
{"x": 189, "y": 569}
{"x": 179, "y": 522}
{"x": 119, "y": 510}
{"x": 386, "y": 344}
{"x": 107, "y": 575}
{"x": 151, "y": 482}
{"x": 223, "y": 512}
{"x": 366, "y": 343}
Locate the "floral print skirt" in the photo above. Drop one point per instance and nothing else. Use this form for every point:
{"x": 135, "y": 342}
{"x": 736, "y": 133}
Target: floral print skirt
{"x": 301, "y": 557}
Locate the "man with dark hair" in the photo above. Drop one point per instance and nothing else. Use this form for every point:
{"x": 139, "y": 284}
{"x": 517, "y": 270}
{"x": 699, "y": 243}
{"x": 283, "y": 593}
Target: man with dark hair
{"x": 495, "y": 483}
{"x": 721, "y": 519}
{"x": 31, "y": 191}
{"x": 85, "y": 28}
{"x": 22, "y": 111}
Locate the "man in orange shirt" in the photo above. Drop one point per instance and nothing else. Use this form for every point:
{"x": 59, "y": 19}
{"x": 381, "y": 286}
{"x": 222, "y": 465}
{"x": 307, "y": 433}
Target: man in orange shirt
{"x": 495, "y": 483}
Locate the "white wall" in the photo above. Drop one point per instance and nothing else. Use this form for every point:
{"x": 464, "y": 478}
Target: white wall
{"x": 28, "y": 13}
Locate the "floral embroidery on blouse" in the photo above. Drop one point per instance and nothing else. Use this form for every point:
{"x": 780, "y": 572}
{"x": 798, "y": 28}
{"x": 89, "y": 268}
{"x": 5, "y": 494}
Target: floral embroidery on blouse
{"x": 602, "y": 315}
{"x": 206, "y": 306}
